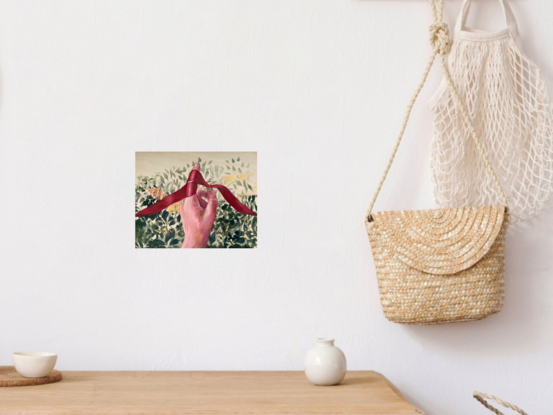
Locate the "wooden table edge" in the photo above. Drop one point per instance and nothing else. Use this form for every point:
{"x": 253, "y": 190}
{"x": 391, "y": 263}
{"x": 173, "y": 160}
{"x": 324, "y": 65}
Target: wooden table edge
{"x": 67, "y": 377}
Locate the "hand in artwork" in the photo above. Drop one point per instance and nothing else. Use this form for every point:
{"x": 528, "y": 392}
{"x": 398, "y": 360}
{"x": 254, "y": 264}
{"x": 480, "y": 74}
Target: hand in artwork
{"x": 197, "y": 214}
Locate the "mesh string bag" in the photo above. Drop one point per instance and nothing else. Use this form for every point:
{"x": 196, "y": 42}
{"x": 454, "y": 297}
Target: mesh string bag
{"x": 510, "y": 109}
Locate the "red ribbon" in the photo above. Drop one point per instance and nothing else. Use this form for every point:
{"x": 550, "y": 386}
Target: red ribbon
{"x": 190, "y": 189}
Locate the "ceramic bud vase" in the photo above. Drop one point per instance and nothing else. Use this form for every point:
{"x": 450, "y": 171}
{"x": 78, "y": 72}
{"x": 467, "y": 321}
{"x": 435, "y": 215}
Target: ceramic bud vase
{"x": 325, "y": 364}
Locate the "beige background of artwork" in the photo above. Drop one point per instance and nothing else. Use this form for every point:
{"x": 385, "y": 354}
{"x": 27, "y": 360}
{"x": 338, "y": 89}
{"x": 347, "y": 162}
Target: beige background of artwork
{"x": 153, "y": 162}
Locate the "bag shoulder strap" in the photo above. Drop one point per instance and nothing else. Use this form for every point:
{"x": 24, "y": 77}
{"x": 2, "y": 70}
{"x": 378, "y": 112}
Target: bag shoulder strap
{"x": 510, "y": 19}
{"x": 481, "y": 397}
{"x": 441, "y": 45}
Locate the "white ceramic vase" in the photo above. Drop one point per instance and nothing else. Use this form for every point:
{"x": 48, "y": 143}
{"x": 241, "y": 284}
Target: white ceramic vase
{"x": 325, "y": 364}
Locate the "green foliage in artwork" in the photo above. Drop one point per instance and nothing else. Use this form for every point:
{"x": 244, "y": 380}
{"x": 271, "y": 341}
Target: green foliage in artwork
{"x": 164, "y": 229}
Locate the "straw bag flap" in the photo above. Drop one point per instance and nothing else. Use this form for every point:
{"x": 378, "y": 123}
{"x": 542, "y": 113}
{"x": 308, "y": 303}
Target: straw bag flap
{"x": 439, "y": 241}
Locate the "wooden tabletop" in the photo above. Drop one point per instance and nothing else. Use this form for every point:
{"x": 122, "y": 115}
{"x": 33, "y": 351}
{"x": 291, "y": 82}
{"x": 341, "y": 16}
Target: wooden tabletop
{"x": 213, "y": 393}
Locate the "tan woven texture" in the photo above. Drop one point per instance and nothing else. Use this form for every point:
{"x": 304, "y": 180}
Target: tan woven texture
{"x": 439, "y": 266}
{"x": 443, "y": 265}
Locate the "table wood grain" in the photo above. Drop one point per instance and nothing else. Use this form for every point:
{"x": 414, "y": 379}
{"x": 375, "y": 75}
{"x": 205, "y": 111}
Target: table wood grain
{"x": 209, "y": 393}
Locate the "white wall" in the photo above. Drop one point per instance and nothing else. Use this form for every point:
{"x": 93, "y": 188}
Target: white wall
{"x": 318, "y": 88}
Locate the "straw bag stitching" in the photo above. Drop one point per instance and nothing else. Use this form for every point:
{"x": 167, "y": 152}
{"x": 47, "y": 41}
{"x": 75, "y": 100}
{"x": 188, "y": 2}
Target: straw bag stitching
{"x": 481, "y": 397}
{"x": 442, "y": 265}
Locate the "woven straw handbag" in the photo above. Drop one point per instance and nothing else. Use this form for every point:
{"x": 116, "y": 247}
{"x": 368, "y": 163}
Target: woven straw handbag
{"x": 482, "y": 397}
{"x": 443, "y": 265}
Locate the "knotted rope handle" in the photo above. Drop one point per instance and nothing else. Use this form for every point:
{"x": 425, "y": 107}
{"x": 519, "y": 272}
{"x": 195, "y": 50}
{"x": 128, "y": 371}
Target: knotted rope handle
{"x": 481, "y": 397}
{"x": 441, "y": 45}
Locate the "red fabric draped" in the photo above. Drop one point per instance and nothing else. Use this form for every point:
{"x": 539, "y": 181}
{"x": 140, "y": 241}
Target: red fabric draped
{"x": 190, "y": 189}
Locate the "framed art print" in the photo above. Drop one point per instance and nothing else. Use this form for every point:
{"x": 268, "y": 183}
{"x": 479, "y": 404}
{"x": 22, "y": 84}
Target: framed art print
{"x": 196, "y": 200}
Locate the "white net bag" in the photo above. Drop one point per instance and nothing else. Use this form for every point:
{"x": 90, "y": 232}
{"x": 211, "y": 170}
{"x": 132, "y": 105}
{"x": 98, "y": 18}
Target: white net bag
{"x": 508, "y": 103}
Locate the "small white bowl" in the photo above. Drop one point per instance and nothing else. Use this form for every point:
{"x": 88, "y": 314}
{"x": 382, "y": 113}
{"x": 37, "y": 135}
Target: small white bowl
{"x": 34, "y": 364}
